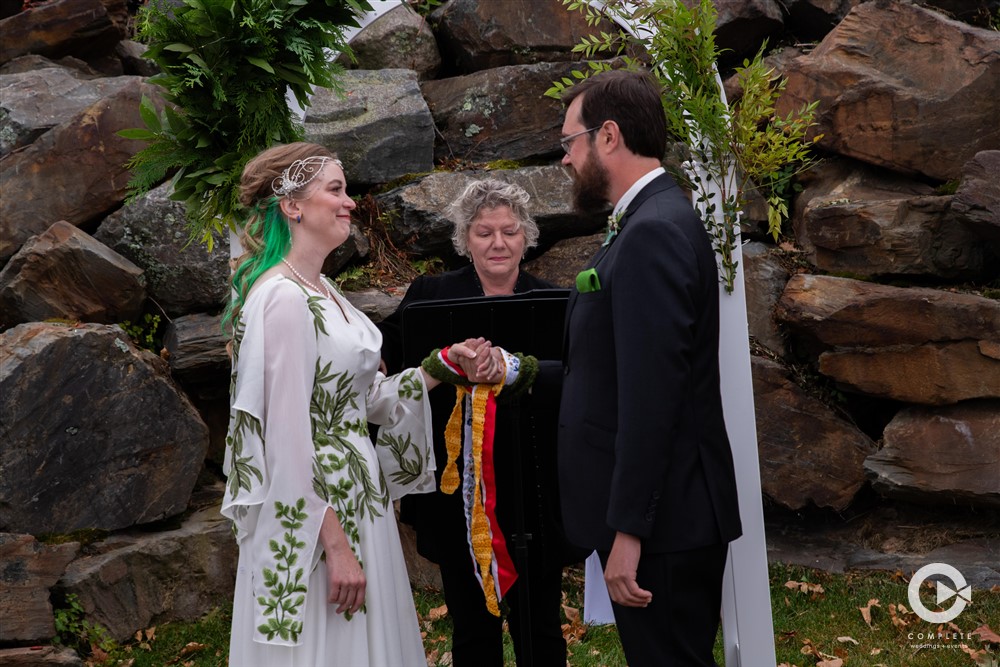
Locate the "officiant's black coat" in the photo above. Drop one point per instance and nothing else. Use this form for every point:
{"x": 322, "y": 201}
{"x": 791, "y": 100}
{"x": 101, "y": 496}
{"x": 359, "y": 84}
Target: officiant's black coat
{"x": 438, "y": 518}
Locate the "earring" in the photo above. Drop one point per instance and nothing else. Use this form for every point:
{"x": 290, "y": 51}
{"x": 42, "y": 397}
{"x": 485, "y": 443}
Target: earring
{"x": 298, "y": 219}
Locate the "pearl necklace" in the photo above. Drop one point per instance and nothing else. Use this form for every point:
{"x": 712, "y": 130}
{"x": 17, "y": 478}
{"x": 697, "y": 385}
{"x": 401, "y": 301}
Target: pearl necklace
{"x": 308, "y": 284}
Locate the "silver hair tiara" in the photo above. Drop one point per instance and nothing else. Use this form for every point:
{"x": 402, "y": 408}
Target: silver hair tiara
{"x": 300, "y": 173}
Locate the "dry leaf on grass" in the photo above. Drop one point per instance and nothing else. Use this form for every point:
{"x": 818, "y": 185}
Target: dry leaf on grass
{"x": 804, "y": 587}
{"x": 836, "y": 662}
{"x": 437, "y": 613}
{"x": 845, "y": 640}
{"x": 575, "y": 630}
{"x": 982, "y": 657}
{"x": 897, "y": 613}
{"x": 866, "y": 611}
{"x": 986, "y": 634}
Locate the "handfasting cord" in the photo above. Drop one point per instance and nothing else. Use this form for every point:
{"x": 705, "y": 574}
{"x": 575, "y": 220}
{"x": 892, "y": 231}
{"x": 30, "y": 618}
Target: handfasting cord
{"x": 486, "y": 541}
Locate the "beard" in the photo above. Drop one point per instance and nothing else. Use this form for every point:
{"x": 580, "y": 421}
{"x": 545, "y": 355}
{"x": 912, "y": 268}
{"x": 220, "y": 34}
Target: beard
{"x": 590, "y": 186}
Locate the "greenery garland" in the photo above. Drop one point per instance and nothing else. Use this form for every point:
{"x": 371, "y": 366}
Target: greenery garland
{"x": 741, "y": 147}
{"x": 226, "y": 68}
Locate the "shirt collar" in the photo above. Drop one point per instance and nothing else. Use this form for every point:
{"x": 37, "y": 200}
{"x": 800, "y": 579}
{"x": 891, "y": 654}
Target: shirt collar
{"x": 630, "y": 194}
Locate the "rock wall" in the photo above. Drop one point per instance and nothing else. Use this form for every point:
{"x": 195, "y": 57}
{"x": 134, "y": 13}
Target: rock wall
{"x": 875, "y": 323}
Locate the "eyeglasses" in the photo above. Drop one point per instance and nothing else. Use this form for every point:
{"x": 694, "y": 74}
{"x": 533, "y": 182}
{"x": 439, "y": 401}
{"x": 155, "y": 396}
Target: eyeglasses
{"x": 567, "y": 142}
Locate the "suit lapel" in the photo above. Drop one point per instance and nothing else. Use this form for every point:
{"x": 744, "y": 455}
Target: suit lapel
{"x": 659, "y": 184}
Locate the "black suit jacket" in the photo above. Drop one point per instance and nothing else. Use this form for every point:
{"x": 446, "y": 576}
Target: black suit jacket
{"x": 642, "y": 442}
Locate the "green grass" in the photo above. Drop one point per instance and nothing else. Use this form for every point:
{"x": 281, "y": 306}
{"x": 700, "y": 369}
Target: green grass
{"x": 810, "y": 628}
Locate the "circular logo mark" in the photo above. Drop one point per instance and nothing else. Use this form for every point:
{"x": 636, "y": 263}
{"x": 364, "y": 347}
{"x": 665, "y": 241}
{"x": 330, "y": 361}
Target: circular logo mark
{"x": 958, "y": 590}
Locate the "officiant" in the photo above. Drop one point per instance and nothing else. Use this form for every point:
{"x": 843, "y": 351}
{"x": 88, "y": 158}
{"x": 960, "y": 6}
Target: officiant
{"x": 493, "y": 229}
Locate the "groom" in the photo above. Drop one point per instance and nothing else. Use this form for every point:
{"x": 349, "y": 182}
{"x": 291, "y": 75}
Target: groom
{"x": 645, "y": 469}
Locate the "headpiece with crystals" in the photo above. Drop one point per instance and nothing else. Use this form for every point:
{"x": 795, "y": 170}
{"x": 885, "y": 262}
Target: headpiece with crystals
{"x": 300, "y": 173}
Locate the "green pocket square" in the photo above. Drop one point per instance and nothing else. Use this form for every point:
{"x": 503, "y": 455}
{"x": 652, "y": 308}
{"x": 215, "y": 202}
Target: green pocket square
{"x": 587, "y": 281}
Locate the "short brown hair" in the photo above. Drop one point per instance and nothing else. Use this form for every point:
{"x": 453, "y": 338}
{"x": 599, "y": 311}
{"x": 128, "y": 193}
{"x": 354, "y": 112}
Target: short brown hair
{"x": 633, "y": 100}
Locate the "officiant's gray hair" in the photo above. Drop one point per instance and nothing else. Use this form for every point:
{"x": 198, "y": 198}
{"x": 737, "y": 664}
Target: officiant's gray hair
{"x": 490, "y": 193}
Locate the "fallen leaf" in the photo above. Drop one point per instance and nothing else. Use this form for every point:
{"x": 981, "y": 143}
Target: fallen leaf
{"x": 572, "y": 613}
{"x": 866, "y": 611}
{"x": 875, "y": 651}
{"x": 437, "y": 613}
{"x": 151, "y": 633}
{"x": 836, "y": 662}
{"x": 845, "y": 640}
{"x": 191, "y": 647}
{"x": 897, "y": 614}
{"x": 982, "y": 657}
{"x": 445, "y": 658}
{"x": 808, "y": 648}
{"x": 986, "y": 634}
{"x": 804, "y": 587}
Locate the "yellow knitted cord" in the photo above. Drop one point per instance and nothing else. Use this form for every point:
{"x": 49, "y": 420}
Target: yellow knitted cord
{"x": 453, "y": 443}
{"x": 482, "y": 545}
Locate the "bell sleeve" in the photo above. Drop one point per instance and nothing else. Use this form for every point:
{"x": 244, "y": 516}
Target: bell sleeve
{"x": 271, "y": 494}
{"x": 399, "y": 404}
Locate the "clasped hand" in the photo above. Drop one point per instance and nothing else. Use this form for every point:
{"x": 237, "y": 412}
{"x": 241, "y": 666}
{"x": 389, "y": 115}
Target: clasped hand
{"x": 481, "y": 362}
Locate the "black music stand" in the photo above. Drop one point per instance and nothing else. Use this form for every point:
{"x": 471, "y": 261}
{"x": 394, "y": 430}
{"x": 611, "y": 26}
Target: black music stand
{"x": 530, "y": 323}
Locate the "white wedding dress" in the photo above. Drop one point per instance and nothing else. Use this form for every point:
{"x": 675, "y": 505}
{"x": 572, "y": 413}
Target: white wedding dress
{"x": 304, "y": 387}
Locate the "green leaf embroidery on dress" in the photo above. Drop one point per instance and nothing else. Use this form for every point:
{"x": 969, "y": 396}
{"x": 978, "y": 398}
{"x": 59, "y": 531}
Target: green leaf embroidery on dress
{"x": 239, "y": 475}
{"x": 242, "y": 469}
{"x": 285, "y": 583}
{"x": 409, "y": 469}
{"x": 411, "y": 387}
{"x": 334, "y": 450}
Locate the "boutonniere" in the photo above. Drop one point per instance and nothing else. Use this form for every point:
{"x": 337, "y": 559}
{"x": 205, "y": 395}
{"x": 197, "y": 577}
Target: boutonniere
{"x": 587, "y": 281}
{"x": 613, "y": 226}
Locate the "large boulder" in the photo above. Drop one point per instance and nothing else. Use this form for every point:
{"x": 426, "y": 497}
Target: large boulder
{"x": 74, "y": 172}
{"x": 399, "y": 39}
{"x": 941, "y": 455}
{"x": 67, "y": 274}
{"x": 380, "y": 128}
{"x": 977, "y": 201}
{"x": 841, "y": 312}
{"x": 95, "y": 432}
{"x": 28, "y": 569}
{"x": 765, "y": 278}
{"x": 476, "y": 35}
{"x": 914, "y": 345}
{"x": 85, "y": 28}
{"x": 808, "y": 454}
{"x": 902, "y": 86}
{"x": 182, "y": 275}
{"x": 930, "y": 374}
{"x": 33, "y": 102}
{"x": 917, "y": 236}
{"x": 136, "y": 580}
{"x": 499, "y": 113}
